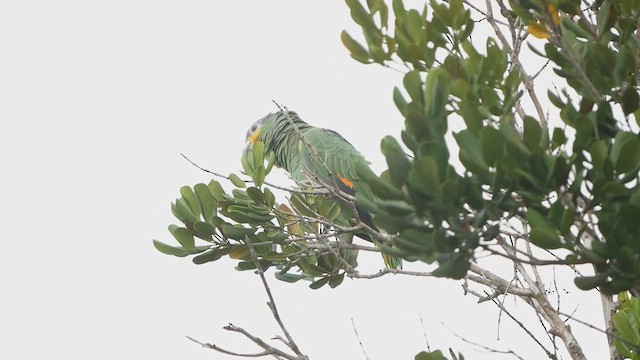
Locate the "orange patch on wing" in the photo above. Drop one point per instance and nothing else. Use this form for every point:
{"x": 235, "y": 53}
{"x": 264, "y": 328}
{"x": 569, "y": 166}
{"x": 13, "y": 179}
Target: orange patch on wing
{"x": 347, "y": 182}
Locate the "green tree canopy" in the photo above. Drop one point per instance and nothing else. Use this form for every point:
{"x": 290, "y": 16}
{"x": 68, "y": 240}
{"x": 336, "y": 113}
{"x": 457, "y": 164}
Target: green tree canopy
{"x": 535, "y": 194}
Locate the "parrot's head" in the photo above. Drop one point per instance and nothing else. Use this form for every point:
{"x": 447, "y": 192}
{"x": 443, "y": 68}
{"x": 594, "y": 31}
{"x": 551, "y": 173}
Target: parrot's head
{"x": 253, "y": 135}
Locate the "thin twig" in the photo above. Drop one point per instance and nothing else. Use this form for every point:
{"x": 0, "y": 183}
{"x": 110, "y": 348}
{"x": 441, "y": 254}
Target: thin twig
{"x": 424, "y": 332}
{"x": 527, "y": 80}
{"x": 386, "y": 271}
{"x": 518, "y": 322}
{"x": 272, "y": 304}
{"x": 496, "y": 282}
{"x": 609, "y": 331}
{"x": 355, "y": 330}
{"x": 246, "y": 181}
{"x": 228, "y": 352}
{"x": 492, "y": 350}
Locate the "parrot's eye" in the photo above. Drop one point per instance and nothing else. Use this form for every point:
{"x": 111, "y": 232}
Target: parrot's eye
{"x": 254, "y": 127}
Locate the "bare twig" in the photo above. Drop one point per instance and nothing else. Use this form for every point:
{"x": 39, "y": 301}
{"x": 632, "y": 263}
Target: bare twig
{"x": 246, "y": 181}
{"x": 496, "y": 282}
{"x": 527, "y": 80}
{"x": 272, "y": 304}
{"x": 424, "y": 332}
{"x": 355, "y": 330}
{"x": 269, "y": 350}
{"x": 386, "y": 271}
{"x": 610, "y": 332}
{"x": 228, "y": 352}
{"x": 491, "y": 350}
{"x": 550, "y": 355}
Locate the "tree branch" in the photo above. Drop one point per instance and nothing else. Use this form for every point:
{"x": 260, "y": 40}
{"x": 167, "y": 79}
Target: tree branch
{"x": 272, "y": 304}
{"x": 528, "y": 81}
{"x": 364, "y": 352}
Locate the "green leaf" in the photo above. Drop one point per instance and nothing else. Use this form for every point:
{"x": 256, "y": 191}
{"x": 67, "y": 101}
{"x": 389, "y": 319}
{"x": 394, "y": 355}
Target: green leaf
{"x": 334, "y": 212}
{"x": 184, "y": 237}
{"x": 255, "y": 194}
{"x": 216, "y": 190}
{"x": 568, "y": 219}
{"x": 170, "y": 250}
{"x": 247, "y": 165}
{"x": 436, "y": 92}
{"x": 396, "y": 207}
{"x": 559, "y": 138}
{"x": 211, "y": 255}
{"x": 514, "y": 141}
{"x": 624, "y": 62}
{"x": 185, "y": 212}
{"x": 335, "y": 280}
{"x": 413, "y": 84}
{"x": 471, "y": 152}
{"x": 493, "y": 147}
{"x": 204, "y": 228}
{"x": 237, "y": 232}
{"x": 635, "y": 198}
{"x": 423, "y": 177}
{"x": 239, "y": 252}
{"x": 399, "y": 100}
{"x": 257, "y": 152}
{"x": 290, "y": 278}
{"x": 270, "y": 162}
{"x": 545, "y": 238}
{"x": 379, "y": 7}
{"x": 319, "y": 283}
{"x": 590, "y": 282}
{"x": 624, "y": 321}
{"x": 599, "y": 153}
{"x": 542, "y": 233}
{"x": 532, "y": 133}
{"x": 455, "y": 267}
{"x": 472, "y": 117}
{"x": 302, "y": 206}
{"x": 235, "y": 180}
{"x": 208, "y": 204}
{"x": 190, "y": 197}
{"x": 625, "y": 152}
{"x": 438, "y": 151}
{"x": 357, "y": 51}
{"x": 276, "y": 237}
{"x": 434, "y": 355}
{"x": 568, "y": 24}
{"x": 380, "y": 187}
{"x": 416, "y": 241}
{"x": 397, "y": 161}
{"x": 269, "y": 198}
{"x": 260, "y": 175}
{"x": 630, "y": 100}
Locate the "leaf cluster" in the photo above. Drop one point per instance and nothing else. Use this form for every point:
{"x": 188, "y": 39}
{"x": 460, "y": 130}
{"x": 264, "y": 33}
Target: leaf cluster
{"x": 577, "y": 194}
{"x": 228, "y": 223}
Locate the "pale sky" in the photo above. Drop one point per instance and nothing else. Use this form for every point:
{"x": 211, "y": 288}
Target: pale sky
{"x": 98, "y": 100}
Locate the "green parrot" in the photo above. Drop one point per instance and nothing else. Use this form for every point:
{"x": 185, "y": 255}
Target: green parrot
{"x": 279, "y": 135}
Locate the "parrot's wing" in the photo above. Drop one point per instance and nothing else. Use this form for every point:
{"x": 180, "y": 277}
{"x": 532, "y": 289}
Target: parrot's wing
{"x": 340, "y": 158}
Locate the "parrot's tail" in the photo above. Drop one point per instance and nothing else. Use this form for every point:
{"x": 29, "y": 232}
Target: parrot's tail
{"x": 392, "y": 261}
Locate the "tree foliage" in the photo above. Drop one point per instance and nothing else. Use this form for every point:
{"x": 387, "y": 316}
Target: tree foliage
{"x": 571, "y": 192}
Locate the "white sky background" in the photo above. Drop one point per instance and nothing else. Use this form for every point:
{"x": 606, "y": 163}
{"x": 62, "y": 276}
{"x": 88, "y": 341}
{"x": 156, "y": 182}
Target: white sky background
{"x": 97, "y": 100}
